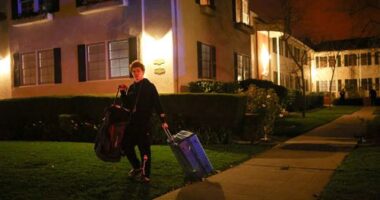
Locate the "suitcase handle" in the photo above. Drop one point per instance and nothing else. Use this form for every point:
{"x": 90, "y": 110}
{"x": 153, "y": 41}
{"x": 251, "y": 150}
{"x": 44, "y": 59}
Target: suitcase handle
{"x": 169, "y": 135}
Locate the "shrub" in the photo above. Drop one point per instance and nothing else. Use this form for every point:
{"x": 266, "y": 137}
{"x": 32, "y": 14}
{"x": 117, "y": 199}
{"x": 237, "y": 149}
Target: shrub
{"x": 281, "y": 91}
{"x": 211, "y": 86}
{"x": 266, "y": 104}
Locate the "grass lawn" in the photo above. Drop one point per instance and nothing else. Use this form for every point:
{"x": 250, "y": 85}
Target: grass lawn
{"x": 358, "y": 177}
{"x": 65, "y": 170}
{"x": 294, "y": 124}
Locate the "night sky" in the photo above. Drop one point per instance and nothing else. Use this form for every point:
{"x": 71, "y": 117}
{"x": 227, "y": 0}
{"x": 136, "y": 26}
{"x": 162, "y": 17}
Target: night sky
{"x": 322, "y": 20}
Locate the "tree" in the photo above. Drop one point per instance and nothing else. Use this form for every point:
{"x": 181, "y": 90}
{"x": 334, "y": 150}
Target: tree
{"x": 289, "y": 18}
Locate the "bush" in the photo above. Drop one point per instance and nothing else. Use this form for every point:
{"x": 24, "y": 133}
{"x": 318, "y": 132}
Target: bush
{"x": 211, "y": 86}
{"x": 77, "y": 118}
{"x": 281, "y": 91}
{"x": 265, "y": 103}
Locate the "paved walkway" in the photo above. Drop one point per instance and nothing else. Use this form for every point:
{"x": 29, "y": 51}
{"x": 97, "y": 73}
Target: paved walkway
{"x": 296, "y": 169}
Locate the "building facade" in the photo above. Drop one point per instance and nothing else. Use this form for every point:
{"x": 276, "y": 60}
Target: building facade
{"x": 352, "y": 65}
{"x": 73, "y": 47}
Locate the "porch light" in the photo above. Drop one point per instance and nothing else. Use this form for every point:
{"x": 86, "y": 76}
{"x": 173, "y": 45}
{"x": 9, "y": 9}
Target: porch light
{"x": 5, "y": 71}
{"x": 157, "y": 52}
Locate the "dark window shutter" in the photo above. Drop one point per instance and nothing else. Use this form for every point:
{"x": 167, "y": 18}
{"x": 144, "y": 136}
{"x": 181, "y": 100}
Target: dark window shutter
{"x": 235, "y": 66}
{"x": 213, "y": 61}
{"x": 82, "y": 62}
{"x": 212, "y": 2}
{"x": 17, "y": 70}
{"x": 132, "y": 49}
{"x": 14, "y": 9}
{"x": 57, "y": 66}
{"x": 199, "y": 57}
{"x": 197, "y": 1}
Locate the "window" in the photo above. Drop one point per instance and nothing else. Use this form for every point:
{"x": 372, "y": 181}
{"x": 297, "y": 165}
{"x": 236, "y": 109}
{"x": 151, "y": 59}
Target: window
{"x": 331, "y": 61}
{"x": 96, "y": 63}
{"x": 206, "y": 61}
{"x": 46, "y": 66}
{"x": 350, "y": 60}
{"x": 306, "y": 85}
{"x": 28, "y": 69}
{"x": 340, "y": 85}
{"x": 35, "y": 68}
{"x": 323, "y": 61}
{"x": 304, "y": 55}
{"x": 243, "y": 67}
{"x": 377, "y": 83}
{"x": 242, "y": 12}
{"x": 339, "y": 61}
{"x": 365, "y": 59}
{"x": 366, "y": 83}
{"x": 323, "y": 86}
{"x": 351, "y": 84}
{"x": 118, "y": 58}
{"x": 377, "y": 58}
{"x": 29, "y": 8}
{"x": 206, "y": 3}
{"x": 289, "y": 51}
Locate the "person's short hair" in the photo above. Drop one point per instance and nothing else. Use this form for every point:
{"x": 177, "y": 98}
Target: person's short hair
{"x": 136, "y": 64}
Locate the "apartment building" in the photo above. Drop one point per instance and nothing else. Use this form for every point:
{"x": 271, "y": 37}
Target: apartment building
{"x": 352, "y": 65}
{"x": 73, "y": 47}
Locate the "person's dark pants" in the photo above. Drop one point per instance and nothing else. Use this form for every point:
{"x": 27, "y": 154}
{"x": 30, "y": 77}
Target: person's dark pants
{"x": 136, "y": 135}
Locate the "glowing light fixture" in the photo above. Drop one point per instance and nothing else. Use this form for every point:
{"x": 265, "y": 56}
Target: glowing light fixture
{"x": 5, "y": 71}
{"x": 264, "y": 60}
{"x": 157, "y": 52}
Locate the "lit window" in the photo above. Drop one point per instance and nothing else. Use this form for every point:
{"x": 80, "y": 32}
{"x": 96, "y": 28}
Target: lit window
{"x": 28, "y": 69}
{"x": 46, "y": 66}
{"x": 29, "y": 8}
{"x": 243, "y": 67}
{"x": 242, "y": 12}
{"x": 119, "y": 58}
{"x": 323, "y": 61}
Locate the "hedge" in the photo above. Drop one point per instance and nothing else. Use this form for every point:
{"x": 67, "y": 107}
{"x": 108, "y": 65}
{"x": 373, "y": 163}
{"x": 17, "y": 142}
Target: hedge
{"x": 213, "y": 116}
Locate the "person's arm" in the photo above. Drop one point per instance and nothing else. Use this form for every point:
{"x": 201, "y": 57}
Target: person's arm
{"x": 158, "y": 108}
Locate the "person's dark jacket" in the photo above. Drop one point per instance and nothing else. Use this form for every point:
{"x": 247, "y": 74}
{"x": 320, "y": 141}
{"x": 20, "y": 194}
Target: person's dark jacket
{"x": 146, "y": 95}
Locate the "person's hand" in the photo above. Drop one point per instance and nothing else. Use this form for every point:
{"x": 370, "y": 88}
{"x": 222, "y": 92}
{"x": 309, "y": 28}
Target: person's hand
{"x": 165, "y": 125}
{"x": 122, "y": 87}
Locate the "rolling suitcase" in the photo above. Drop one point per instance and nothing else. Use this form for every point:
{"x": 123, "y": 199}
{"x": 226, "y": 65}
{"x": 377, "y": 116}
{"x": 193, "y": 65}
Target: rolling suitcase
{"x": 190, "y": 154}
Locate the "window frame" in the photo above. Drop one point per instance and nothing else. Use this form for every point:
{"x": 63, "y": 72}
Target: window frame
{"x": 201, "y": 61}
{"x": 109, "y": 60}
{"x": 52, "y": 67}
{"x": 245, "y": 59}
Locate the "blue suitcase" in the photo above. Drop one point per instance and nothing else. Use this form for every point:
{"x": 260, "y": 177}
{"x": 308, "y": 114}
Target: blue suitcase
{"x": 190, "y": 154}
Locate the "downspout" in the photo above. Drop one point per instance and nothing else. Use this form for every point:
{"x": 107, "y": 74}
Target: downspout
{"x": 175, "y": 45}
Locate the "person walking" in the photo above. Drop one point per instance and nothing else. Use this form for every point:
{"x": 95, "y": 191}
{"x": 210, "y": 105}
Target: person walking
{"x": 141, "y": 99}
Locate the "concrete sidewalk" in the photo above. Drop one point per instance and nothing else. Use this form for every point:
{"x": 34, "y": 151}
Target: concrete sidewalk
{"x": 296, "y": 169}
